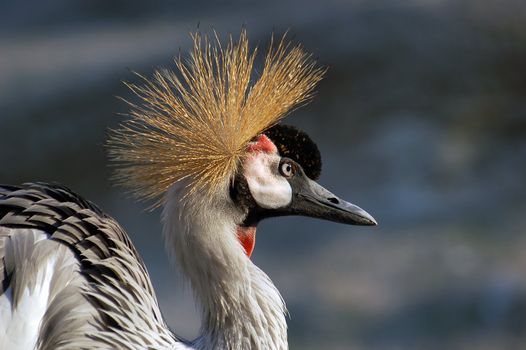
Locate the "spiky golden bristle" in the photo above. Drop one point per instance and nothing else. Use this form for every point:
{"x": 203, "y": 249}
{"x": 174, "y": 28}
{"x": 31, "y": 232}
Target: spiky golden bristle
{"x": 196, "y": 124}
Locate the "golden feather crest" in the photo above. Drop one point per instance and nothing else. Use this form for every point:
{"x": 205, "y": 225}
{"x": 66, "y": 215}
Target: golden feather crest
{"x": 197, "y": 123}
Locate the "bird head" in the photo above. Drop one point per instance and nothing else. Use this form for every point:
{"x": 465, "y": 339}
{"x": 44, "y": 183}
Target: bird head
{"x": 278, "y": 177}
{"x": 211, "y": 126}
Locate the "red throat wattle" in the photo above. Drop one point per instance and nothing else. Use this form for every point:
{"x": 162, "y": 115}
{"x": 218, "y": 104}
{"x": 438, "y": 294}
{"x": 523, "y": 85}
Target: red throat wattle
{"x": 247, "y": 238}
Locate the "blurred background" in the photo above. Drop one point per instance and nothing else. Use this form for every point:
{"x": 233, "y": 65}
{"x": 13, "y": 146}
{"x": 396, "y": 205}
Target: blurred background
{"x": 421, "y": 121}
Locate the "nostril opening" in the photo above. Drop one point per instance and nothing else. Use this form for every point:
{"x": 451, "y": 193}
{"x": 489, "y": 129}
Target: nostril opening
{"x": 333, "y": 200}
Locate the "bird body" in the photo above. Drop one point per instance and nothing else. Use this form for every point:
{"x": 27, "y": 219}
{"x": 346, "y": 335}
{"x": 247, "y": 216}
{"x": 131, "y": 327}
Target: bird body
{"x": 211, "y": 152}
{"x": 64, "y": 265}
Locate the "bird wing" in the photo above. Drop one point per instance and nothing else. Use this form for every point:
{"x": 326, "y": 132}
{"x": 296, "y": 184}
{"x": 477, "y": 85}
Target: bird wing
{"x": 70, "y": 276}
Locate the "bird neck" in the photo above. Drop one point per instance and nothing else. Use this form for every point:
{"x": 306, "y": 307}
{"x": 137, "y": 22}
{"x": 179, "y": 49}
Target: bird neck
{"x": 241, "y": 308}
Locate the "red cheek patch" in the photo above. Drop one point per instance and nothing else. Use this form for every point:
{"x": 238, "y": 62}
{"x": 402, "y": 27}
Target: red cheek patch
{"x": 262, "y": 144}
{"x": 247, "y": 238}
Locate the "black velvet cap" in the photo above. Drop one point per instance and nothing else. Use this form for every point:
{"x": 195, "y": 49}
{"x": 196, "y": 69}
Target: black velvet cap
{"x": 298, "y": 146}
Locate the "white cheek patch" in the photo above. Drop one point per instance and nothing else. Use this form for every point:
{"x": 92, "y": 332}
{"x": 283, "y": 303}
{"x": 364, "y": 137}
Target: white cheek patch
{"x": 269, "y": 189}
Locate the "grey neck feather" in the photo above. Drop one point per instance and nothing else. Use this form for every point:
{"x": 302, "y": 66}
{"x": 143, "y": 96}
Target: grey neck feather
{"x": 241, "y": 307}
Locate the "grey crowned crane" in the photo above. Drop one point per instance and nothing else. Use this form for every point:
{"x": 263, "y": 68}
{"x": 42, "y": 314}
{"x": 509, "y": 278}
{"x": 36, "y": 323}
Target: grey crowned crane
{"x": 205, "y": 144}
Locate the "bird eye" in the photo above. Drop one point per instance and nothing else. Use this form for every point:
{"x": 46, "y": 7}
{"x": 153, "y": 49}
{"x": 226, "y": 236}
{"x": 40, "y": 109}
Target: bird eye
{"x": 286, "y": 169}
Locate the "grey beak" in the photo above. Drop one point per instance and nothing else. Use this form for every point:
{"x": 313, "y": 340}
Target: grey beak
{"x": 312, "y": 199}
